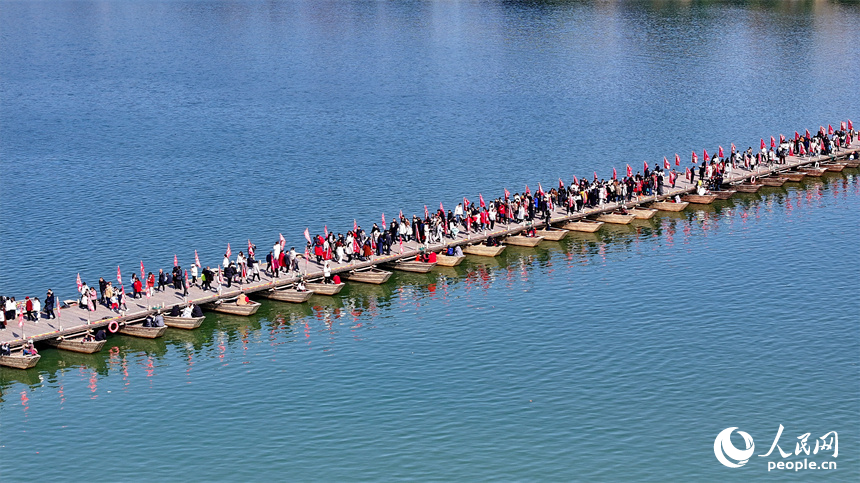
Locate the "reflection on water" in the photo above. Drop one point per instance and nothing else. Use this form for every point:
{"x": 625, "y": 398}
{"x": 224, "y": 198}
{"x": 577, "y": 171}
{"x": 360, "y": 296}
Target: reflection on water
{"x": 324, "y": 321}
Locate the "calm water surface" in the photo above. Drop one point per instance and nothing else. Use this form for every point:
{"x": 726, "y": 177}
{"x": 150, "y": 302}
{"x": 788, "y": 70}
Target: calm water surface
{"x": 136, "y": 130}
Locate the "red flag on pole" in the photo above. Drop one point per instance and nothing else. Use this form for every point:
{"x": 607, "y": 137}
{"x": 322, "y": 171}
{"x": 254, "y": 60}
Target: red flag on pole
{"x": 850, "y": 126}
{"x": 250, "y": 248}
{"x": 772, "y": 142}
{"x": 228, "y": 251}
{"x": 791, "y": 150}
{"x": 21, "y": 313}
{"x": 781, "y": 138}
{"x": 186, "y": 276}
{"x": 796, "y": 136}
{"x": 677, "y": 160}
{"x": 142, "y": 276}
{"x": 842, "y": 126}
{"x": 441, "y": 208}
{"x": 175, "y": 261}
{"x": 629, "y": 171}
{"x": 829, "y": 129}
{"x": 720, "y": 152}
{"x": 283, "y": 241}
{"x": 80, "y": 285}
{"x": 325, "y": 228}
{"x": 807, "y": 134}
{"x": 705, "y": 155}
{"x": 354, "y": 226}
{"x": 540, "y": 190}
{"x": 507, "y": 193}
{"x": 481, "y": 200}
{"x": 734, "y": 148}
{"x": 197, "y": 259}
{"x": 307, "y": 235}
{"x": 561, "y": 184}
{"x": 401, "y": 214}
{"x": 614, "y": 173}
{"x": 695, "y": 158}
{"x": 595, "y": 176}
{"x": 528, "y": 191}
{"x": 687, "y": 173}
{"x": 666, "y": 163}
{"x": 671, "y": 177}
{"x": 465, "y": 202}
{"x": 645, "y": 168}
{"x": 802, "y": 149}
{"x": 118, "y": 275}
{"x": 575, "y": 181}
{"x": 762, "y": 143}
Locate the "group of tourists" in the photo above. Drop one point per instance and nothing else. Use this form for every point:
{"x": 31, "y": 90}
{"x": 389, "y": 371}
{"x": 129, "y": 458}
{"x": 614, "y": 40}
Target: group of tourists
{"x": 29, "y": 309}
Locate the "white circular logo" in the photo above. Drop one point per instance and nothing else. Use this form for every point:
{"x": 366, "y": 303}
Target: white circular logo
{"x": 725, "y": 451}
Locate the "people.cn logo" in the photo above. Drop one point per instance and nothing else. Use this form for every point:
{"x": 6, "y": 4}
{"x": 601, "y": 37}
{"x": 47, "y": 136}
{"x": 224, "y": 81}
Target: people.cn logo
{"x": 725, "y": 451}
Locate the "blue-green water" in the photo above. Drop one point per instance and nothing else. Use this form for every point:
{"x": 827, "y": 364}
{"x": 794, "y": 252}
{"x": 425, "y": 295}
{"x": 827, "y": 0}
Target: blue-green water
{"x": 134, "y": 130}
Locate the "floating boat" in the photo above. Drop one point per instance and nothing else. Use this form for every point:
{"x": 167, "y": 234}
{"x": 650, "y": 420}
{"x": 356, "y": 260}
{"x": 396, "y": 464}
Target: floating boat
{"x": 699, "y": 199}
{"x": 775, "y": 182}
{"x": 793, "y": 176}
{"x": 552, "y": 234}
{"x": 616, "y": 218}
{"x": 319, "y": 288}
{"x": 187, "y": 323}
{"x": 836, "y": 167}
{"x": 584, "y": 225}
{"x": 669, "y": 206}
{"x": 810, "y": 171}
{"x": 374, "y": 275}
{"x": 76, "y": 343}
{"x": 19, "y": 361}
{"x": 723, "y": 194}
{"x": 449, "y": 260}
{"x": 410, "y": 266}
{"x": 289, "y": 294}
{"x": 142, "y": 332}
{"x": 642, "y": 213}
{"x": 231, "y": 307}
{"x": 523, "y": 241}
{"x": 851, "y": 163}
{"x": 483, "y": 250}
{"x": 746, "y": 187}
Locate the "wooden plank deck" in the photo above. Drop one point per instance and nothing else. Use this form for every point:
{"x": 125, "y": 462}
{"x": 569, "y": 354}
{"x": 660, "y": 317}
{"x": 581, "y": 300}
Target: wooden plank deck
{"x": 74, "y": 320}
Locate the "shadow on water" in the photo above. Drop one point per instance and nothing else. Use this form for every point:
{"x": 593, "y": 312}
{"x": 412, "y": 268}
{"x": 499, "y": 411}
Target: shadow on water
{"x": 358, "y": 302}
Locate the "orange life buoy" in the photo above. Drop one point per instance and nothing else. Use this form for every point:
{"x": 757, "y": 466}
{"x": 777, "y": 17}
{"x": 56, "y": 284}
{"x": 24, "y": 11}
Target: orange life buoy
{"x": 113, "y": 327}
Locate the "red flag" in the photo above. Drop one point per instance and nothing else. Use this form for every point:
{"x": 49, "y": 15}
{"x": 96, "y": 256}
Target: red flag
{"x": 401, "y": 214}
{"x": 671, "y": 177}
{"x": 186, "y": 276}
{"x": 481, "y": 200}
{"x": 228, "y": 251}
{"x": 821, "y": 129}
{"x": 540, "y": 190}
{"x": 762, "y": 143}
{"x": 677, "y": 160}
{"x": 772, "y": 142}
{"x": 250, "y": 248}
{"x": 829, "y": 129}
{"x": 528, "y": 191}
{"x": 197, "y": 259}
{"x": 796, "y": 136}
{"x": 850, "y": 126}
{"x": 695, "y": 158}
{"x": 508, "y": 193}
{"x": 687, "y": 174}
{"x": 118, "y": 275}
{"x": 720, "y": 152}
{"x": 325, "y": 228}
{"x": 142, "y": 276}
{"x": 383, "y": 218}
{"x": 354, "y": 226}
{"x": 666, "y": 164}
{"x": 614, "y": 173}
{"x": 575, "y": 181}
{"x": 646, "y": 166}
{"x": 307, "y": 235}
{"x": 441, "y": 208}
{"x": 21, "y": 313}
{"x": 175, "y": 261}
{"x": 465, "y": 202}
{"x": 80, "y": 285}
{"x": 734, "y": 148}
{"x": 595, "y": 176}
{"x": 842, "y": 126}
{"x": 807, "y": 134}
{"x": 629, "y": 171}
{"x": 561, "y": 183}
{"x": 705, "y": 155}
{"x": 781, "y": 138}
{"x": 802, "y": 149}
{"x": 791, "y": 150}
{"x": 283, "y": 241}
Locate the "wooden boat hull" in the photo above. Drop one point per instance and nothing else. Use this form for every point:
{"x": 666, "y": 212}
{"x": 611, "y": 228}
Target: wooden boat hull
{"x": 523, "y": 241}
{"x": 555, "y": 234}
{"x": 290, "y": 295}
{"x": 411, "y": 266}
{"x": 374, "y": 276}
{"x": 851, "y": 163}
{"x": 77, "y": 345}
{"x": 669, "y": 206}
{"x": 643, "y": 213}
{"x": 836, "y": 168}
{"x": 746, "y": 188}
{"x": 724, "y": 194}
{"x": 325, "y": 288}
{"x": 19, "y": 361}
{"x": 449, "y": 261}
{"x": 774, "y": 182}
{"x": 233, "y": 309}
{"x": 484, "y": 250}
{"x": 794, "y": 177}
{"x": 143, "y": 332}
{"x": 699, "y": 199}
{"x": 186, "y": 323}
{"x": 616, "y": 218}
{"x": 585, "y": 226}
{"x": 814, "y": 172}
